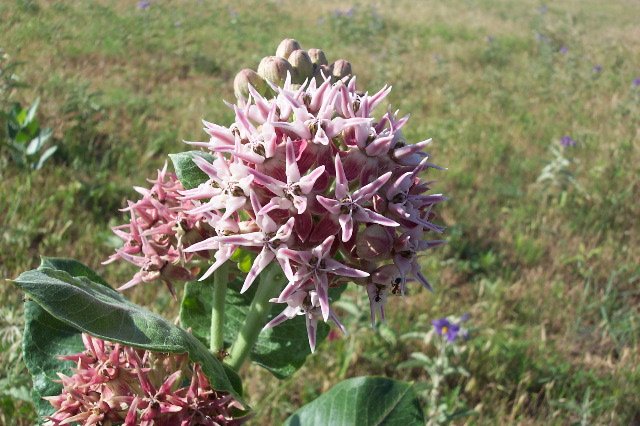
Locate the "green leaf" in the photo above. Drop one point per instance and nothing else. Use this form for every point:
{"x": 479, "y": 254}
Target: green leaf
{"x": 73, "y": 267}
{"x": 362, "y": 401}
{"x": 281, "y": 350}
{"x": 31, "y": 114}
{"x": 96, "y": 309}
{"x": 45, "y": 156}
{"x": 187, "y": 171}
{"x": 45, "y": 338}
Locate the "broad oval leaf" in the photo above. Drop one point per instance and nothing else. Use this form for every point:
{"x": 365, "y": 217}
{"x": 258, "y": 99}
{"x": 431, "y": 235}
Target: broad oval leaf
{"x": 362, "y": 401}
{"x": 73, "y": 267}
{"x": 96, "y": 309}
{"x": 45, "y": 338}
{"x": 281, "y": 350}
{"x": 187, "y": 171}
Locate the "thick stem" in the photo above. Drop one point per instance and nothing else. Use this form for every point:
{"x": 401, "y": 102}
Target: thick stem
{"x": 220, "y": 279}
{"x": 271, "y": 280}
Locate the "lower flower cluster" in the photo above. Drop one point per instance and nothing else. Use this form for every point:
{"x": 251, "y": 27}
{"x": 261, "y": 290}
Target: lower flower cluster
{"x": 116, "y": 384}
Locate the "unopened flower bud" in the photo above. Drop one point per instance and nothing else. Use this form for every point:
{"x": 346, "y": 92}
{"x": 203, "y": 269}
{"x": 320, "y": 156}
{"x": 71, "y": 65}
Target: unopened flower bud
{"x": 341, "y": 68}
{"x": 274, "y": 69}
{"x": 374, "y": 243}
{"x": 246, "y": 77}
{"x": 287, "y": 46}
{"x": 302, "y": 66}
{"x": 318, "y": 57}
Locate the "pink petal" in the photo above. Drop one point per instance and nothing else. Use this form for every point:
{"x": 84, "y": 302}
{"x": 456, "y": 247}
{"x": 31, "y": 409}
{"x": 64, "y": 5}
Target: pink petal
{"x": 322, "y": 287}
{"x": 262, "y": 261}
{"x": 332, "y": 206}
{"x": 342, "y": 184}
{"x": 337, "y": 268}
{"x": 368, "y": 216}
{"x": 346, "y": 223}
{"x": 307, "y": 182}
{"x": 312, "y": 324}
{"x": 293, "y": 173}
{"x": 371, "y": 189}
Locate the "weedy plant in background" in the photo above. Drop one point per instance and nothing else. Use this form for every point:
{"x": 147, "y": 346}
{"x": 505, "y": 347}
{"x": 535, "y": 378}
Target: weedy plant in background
{"x": 448, "y": 336}
{"x": 22, "y": 135}
{"x": 26, "y": 140}
{"x": 305, "y": 192}
{"x": 559, "y": 174}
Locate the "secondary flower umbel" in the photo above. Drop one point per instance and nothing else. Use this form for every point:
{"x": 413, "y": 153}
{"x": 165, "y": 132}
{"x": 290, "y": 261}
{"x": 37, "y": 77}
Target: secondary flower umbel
{"x": 116, "y": 384}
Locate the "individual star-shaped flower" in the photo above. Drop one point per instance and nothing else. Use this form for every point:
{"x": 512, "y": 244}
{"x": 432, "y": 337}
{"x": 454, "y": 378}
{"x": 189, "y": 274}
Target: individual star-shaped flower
{"x": 306, "y": 303}
{"x": 270, "y": 237}
{"x": 405, "y": 256}
{"x": 409, "y": 206}
{"x": 227, "y": 187}
{"x": 290, "y": 195}
{"x": 349, "y": 206}
{"x": 224, "y": 251}
{"x": 314, "y": 266}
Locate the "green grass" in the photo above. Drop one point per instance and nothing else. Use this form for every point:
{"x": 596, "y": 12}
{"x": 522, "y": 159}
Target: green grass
{"x": 548, "y": 271}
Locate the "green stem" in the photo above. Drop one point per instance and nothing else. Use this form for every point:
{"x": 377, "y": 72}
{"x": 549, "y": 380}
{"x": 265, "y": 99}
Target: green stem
{"x": 271, "y": 281}
{"x": 220, "y": 279}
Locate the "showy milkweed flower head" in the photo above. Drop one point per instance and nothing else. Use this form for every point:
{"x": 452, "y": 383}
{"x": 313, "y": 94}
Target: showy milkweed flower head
{"x": 310, "y": 178}
{"x": 116, "y": 384}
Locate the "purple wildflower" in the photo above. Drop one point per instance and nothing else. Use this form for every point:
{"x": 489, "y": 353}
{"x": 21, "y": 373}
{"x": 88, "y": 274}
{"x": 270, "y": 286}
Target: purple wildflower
{"x": 144, "y": 4}
{"x": 564, "y": 50}
{"x": 636, "y": 82}
{"x": 567, "y": 141}
{"x": 449, "y": 329}
{"x": 597, "y": 68}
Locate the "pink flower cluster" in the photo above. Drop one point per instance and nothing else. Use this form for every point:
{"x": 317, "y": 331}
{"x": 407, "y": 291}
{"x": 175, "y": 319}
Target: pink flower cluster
{"x": 310, "y": 179}
{"x": 115, "y": 384}
{"x": 158, "y": 232}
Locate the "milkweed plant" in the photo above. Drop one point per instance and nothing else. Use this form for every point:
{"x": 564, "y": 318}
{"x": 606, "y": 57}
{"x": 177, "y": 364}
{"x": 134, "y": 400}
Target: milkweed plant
{"x": 311, "y": 188}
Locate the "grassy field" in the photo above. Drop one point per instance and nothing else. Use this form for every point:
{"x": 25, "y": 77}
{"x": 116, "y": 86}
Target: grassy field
{"x": 544, "y": 240}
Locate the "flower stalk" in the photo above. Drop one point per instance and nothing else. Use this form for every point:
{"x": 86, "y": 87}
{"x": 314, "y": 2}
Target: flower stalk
{"x": 220, "y": 279}
{"x": 271, "y": 282}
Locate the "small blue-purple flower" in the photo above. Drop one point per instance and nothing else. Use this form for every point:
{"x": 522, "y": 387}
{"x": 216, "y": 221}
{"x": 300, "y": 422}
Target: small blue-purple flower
{"x": 564, "y": 50}
{"x": 448, "y": 329}
{"x": 636, "y": 82}
{"x": 567, "y": 141}
{"x": 597, "y": 68}
{"x": 144, "y": 4}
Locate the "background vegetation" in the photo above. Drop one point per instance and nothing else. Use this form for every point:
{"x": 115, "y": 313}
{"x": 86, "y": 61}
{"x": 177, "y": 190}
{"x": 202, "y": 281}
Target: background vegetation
{"x": 543, "y": 239}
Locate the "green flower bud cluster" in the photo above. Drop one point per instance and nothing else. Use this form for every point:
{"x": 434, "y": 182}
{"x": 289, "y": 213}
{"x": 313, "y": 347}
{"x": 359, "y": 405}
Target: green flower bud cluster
{"x": 290, "y": 58}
